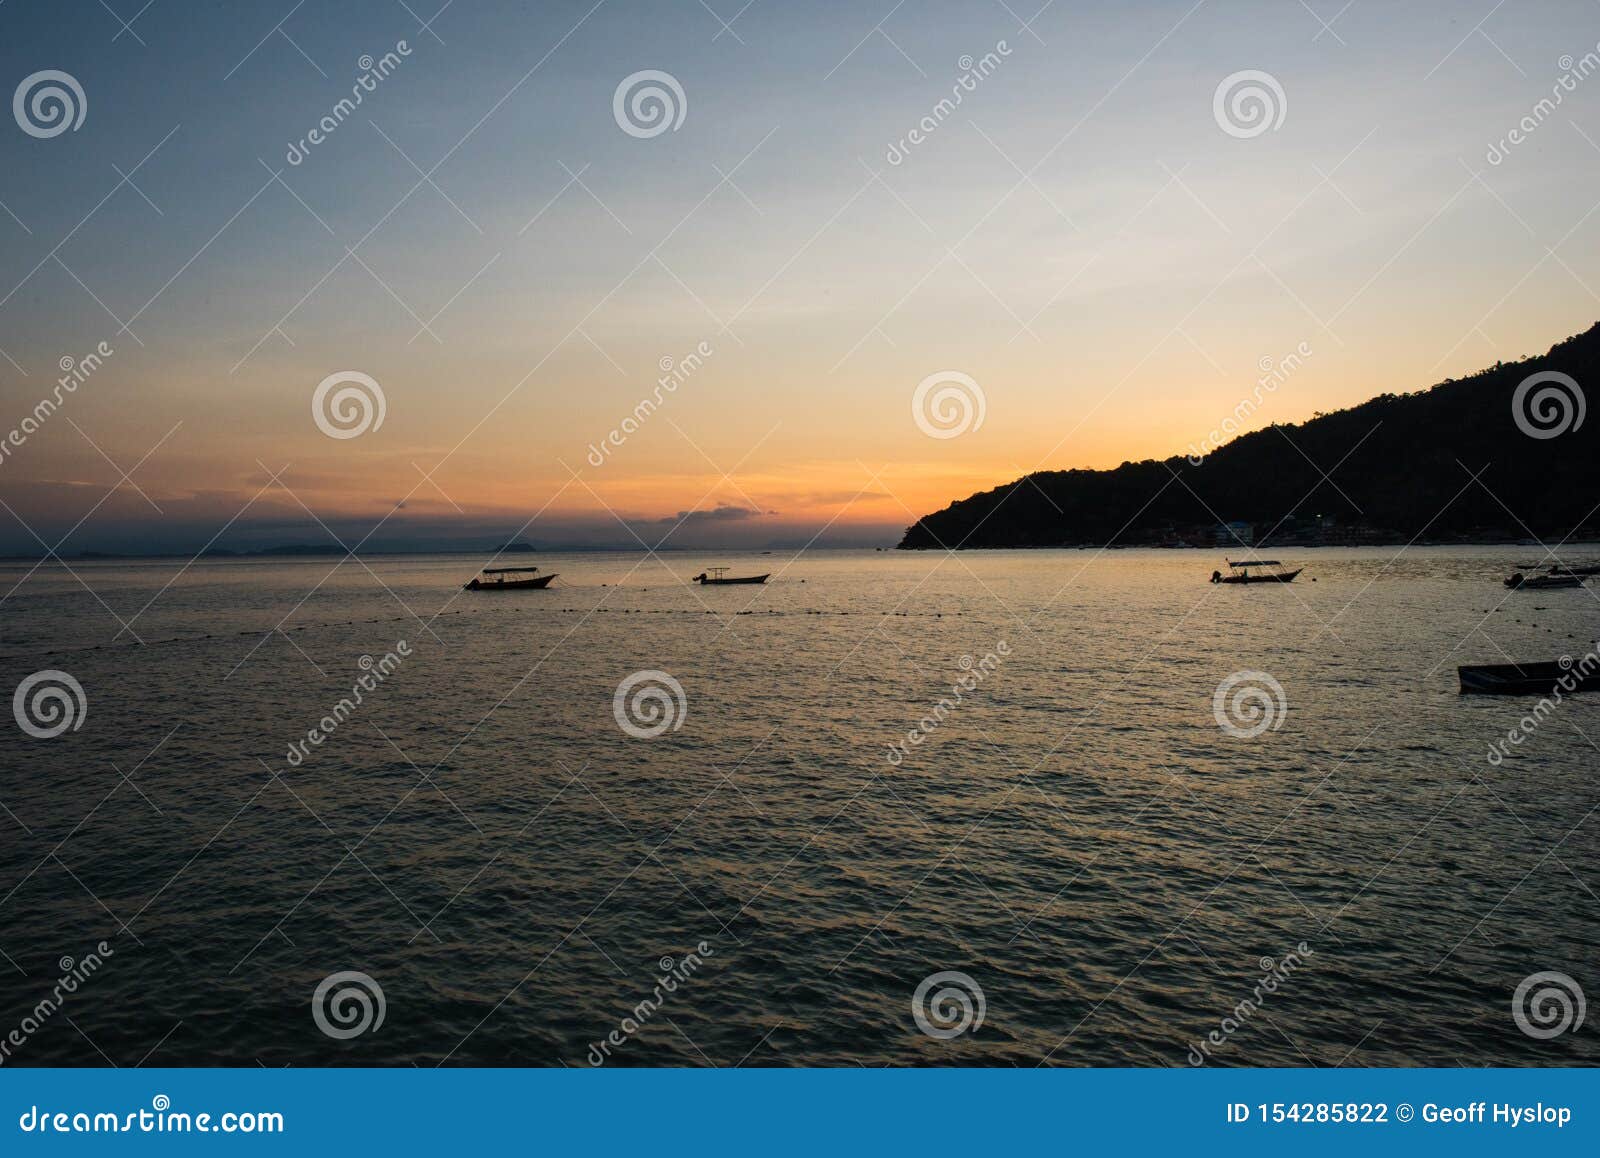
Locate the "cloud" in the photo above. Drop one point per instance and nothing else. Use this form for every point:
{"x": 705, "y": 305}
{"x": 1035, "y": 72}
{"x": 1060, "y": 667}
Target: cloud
{"x": 721, "y": 514}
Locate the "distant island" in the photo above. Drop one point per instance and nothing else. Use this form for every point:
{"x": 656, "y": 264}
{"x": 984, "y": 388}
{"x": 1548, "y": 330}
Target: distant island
{"x": 1452, "y": 463}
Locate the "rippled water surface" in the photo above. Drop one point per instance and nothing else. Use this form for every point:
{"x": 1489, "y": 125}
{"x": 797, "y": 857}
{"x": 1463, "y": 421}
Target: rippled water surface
{"x": 1077, "y": 834}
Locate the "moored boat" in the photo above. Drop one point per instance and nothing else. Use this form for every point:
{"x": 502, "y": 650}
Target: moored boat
{"x": 1256, "y": 571}
{"x": 1520, "y": 582}
{"x": 481, "y": 582}
{"x": 718, "y": 577}
{"x": 1528, "y": 679}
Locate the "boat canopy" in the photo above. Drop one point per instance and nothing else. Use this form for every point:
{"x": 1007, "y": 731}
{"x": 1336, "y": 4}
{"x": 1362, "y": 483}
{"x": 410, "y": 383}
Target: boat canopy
{"x": 506, "y": 570}
{"x": 1256, "y": 563}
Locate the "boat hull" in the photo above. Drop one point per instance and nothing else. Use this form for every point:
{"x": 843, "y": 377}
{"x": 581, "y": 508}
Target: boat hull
{"x": 734, "y": 582}
{"x": 1551, "y": 583}
{"x": 1526, "y": 679}
{"x": 513, "y": 585}
{"x": 1285, "y": 577}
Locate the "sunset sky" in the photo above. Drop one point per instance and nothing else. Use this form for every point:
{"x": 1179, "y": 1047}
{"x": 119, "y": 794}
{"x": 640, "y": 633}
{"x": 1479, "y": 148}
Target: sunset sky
{"x": 1080, "y": 237}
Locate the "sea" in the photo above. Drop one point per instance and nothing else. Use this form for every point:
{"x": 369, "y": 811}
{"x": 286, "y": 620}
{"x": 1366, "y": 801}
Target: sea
{"x": 987, "y": 808}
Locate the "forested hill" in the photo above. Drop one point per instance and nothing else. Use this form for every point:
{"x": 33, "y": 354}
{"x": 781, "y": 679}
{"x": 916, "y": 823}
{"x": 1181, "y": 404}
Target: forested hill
{"x": 1405, "y": 469}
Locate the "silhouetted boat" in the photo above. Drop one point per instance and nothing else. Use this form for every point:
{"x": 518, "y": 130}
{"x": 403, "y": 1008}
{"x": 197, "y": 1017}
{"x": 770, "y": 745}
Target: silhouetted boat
{"x": 1519, "y": 582}
{"x": 1264, "y": 571}
{"x": 500, "y": 583}
{"x": 719, "y": 578}
{"x": 1526, "y": 679}
{"x": 1563, "y": 569}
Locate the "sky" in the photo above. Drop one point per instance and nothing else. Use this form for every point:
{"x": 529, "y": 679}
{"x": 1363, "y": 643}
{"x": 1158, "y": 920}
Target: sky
{"x": 868, "y": 298}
